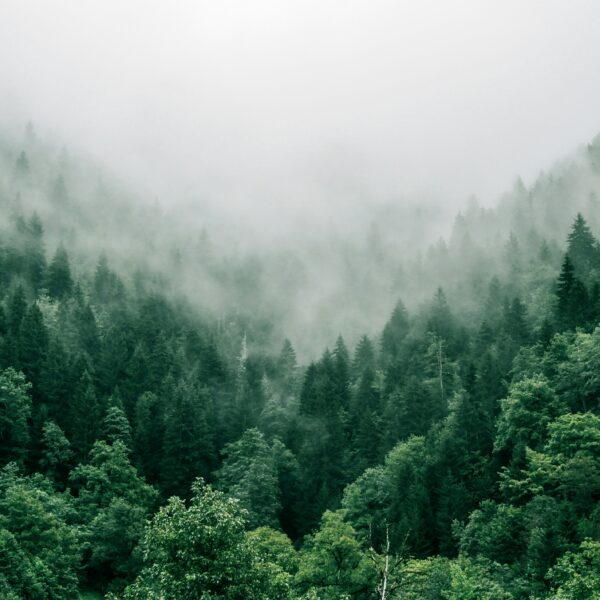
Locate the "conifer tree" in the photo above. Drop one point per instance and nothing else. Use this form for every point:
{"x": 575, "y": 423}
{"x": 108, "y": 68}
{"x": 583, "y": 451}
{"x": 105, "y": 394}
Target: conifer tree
{"x": 364, "y": 357}
{"x": 59, "y": 282}
{"x": 85, "y": 413}
{"x": 115, "y": 425}
{"x": 188, "y": 447}
{"x": 394, "y": 333}
{"x": 249, "y": 473}
{"x": 148, "y": 434}
{"x": 15, "y": 410}
{"x": 582, "y": 248}
{"x": 57, "y": 452}
{"x": 33, "y": 347}
{"x": 22, "y": 165}
{"x": 571, "y": 301}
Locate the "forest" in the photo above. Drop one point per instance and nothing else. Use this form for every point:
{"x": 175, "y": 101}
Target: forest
{"x": 153, "y": 446}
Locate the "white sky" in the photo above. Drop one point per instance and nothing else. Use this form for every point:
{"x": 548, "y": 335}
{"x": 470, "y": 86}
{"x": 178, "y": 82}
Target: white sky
{"x": 299, "y": 101}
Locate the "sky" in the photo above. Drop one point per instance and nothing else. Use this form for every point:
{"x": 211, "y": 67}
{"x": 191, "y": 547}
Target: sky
{"x": 256, "y": 106}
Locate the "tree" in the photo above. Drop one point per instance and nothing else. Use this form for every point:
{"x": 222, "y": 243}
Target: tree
{"x": 40, "y": 550}
{"x": 470, "y": 580}
{"x": 57, "y": 452}
{"x": 15, "y": 410}
{"x": 571, "y": 298}
{"x": 84, "y": 415}
{"x": 576, "y": 575}
{"x": 148, "y": 435}
{"x": 33, "y": 347}
{"x": 59, "y": 281}
{"x": 188, "y": 446}
{"x": 394, "y": 333}
{"x": 113, "y": 503}
{"x": 530, "y": 406}
{"x": 364, "y": 357}
{"x": 582, "y": 248}
{"x": 201, "y": 550}
{"x": 332, "y": 563}
{"x": 22, "y": 165}
{"x": 115, "y": 425}
{"x": 249, "y": 473}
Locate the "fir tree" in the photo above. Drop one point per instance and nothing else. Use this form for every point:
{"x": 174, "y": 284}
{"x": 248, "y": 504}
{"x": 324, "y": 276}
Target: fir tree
{"x": 571, "y": 298}
{"x": 582, "y": 248}
{"x": 59, "y": 282}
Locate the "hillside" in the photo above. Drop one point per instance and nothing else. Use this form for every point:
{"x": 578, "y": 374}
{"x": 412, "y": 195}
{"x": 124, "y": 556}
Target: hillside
{"x": 161, "y": 438}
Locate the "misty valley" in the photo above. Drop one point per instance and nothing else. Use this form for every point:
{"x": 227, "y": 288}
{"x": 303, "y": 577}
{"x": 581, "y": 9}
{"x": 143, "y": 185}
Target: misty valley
{"x": 183, "y": 416}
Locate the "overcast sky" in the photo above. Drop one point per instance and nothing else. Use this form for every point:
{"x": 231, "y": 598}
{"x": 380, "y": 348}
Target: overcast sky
{"x": 296, "y": 101}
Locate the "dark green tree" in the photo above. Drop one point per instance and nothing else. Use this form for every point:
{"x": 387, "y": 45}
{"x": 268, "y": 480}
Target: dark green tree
{"x": 15, "y": 410}
{"x": 59, "y": 281}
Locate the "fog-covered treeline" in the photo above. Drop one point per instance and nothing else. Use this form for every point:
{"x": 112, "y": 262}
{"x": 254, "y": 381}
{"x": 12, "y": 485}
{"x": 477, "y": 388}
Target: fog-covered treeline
{"x": 313, "y": 280}
{"x": 161, "y": 438}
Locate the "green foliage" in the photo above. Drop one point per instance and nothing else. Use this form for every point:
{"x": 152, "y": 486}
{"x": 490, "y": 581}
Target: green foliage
{"x": 57, "y": 452}
{"x": 40, "y": 551}
{"x": 473, "y": 581}
{"x": 15, "y": 410}
{"x": 332, "y": 563}
{"x": 576, "y": 575}
{"x": 201, "y": 551}
{"x": 468, "y": 437}
{"x": 59, "y": 281}
{"x": 249, "y": 473}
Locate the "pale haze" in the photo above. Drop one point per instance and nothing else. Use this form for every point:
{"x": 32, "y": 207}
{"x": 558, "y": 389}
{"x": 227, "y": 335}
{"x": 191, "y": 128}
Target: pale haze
{"x": 259, "y": 105}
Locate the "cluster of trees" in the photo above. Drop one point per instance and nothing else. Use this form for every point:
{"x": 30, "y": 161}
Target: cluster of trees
{"x": 150, "y": 454}
{"x": 150, "y": 450}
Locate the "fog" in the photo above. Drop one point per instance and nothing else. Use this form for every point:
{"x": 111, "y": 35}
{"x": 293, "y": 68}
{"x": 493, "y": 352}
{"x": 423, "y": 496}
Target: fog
{"x": 324, "y": 146}
{"x": 265, "y": 105}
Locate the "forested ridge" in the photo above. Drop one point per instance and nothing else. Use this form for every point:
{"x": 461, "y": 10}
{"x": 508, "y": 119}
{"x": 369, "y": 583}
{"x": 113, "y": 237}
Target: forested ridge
{"x": 149, "y": 449}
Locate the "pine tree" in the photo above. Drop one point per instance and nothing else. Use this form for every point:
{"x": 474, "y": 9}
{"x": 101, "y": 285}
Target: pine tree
{"x": 148, "y": 435}
{"x": 22, "y": 165}
{"x": 33, "y": 347}
{"x": 364, "y": 357}
{"x": 571, "y": 305}
{"x": 441, "y": 321}
{"x": 188, "y": 448}
{"x": 35, "y": 253}
{"x": 394, "y": 333}
{"x": 249, "y": 473}
{"x": 15, "y": 410}
{"x": 59, "y": 282}
{"x": 16, "y": 310}
{"x": 582, "y": 248}
{"x": 115, "y": 425}
{"x": 85, "y": 412}
{"x": 57, "y": 453}
{"x": 515, "y": 322}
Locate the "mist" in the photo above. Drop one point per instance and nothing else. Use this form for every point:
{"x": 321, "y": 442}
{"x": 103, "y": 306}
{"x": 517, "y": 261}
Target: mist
{"x": 272, "y": 109}
{"x": 323, "y": 146}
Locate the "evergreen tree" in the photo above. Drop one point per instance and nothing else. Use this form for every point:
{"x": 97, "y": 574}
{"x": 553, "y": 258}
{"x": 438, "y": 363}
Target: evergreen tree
{"x": 57, "y": 452}
{"x": 59, "y": 281}
{"x": 582, "y": 248}
{"x": 394, "y": 333}
{"x": 364, "y": 357}
{"x": 201, "y": 550}
{"x": 15, "y": 410}
{"x": 188, "y": 447}
{"x": 249, "y": 473}
{"x": 85, "y": 412}
{"x": 115, "y": 425}
{"x": 35, "y": 253}
{"x": 22, "y": 165}
{"x": 33, "y": 347}
{"x": 148, "y": 435}
{"x": 571, "y": 298}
